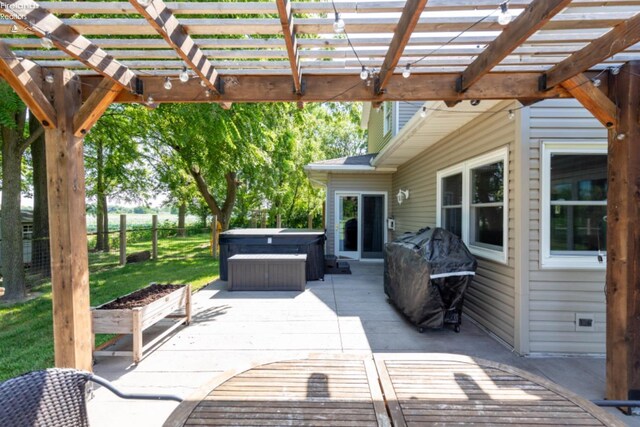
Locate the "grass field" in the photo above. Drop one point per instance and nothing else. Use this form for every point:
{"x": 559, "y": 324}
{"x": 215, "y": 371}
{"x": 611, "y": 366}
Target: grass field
{"x": 137, "y": 220}
{"x": 26, "y": 331}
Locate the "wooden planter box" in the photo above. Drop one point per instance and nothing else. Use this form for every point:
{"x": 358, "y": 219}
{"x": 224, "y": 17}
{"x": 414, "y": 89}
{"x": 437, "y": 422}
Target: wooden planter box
{"x": 135, "y": 321}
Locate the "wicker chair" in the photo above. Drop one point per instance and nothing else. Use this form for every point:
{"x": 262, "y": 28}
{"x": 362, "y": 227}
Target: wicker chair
{"x": 54, "y": 397}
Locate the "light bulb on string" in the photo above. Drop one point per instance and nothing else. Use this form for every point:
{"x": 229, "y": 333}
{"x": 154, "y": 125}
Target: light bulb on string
{"x": 615, "y": 71}
{"x": 338, "y": 24}
{"x": 167, "y": 83}
{"x": 207, "y": 93}
{"x": 364, "y": 74}
{"x": 46, "y": 42}
{"x": 184, "y": 75}
{"x": 596, "y": 82}
{"x": 407, "y": 71}
{"x": 423, "y": 113}
{"x": 505, "y": 16}
{"x": 49, "y": 78}
{"x": 511, "y": 115}
{"x": 621, "y": 136}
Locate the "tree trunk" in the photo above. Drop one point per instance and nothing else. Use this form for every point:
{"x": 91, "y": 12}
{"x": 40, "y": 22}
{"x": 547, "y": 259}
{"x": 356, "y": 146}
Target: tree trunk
{"x": 40, "y": 249}
{"x": 224, "y": 214}
{"x": 102, "y": 219}
{"x": 182, "y": 213}
{"x": 13, "y": 276}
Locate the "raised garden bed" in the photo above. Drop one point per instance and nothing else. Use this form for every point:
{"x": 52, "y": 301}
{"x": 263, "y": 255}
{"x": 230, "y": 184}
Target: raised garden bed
{"x": 137, "y": 311}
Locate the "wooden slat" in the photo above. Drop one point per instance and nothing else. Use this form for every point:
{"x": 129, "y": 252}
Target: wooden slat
{"x": 534, "y": 17}
{"x": 408, "y": 20}
{"x": 593, "y": 99}
{"x": 286, "y": 19}
{"x": 623, "y": 211}
{"x": 223, "y": 8}
{"x": 20, "y": 76}
{"x": 93, "y": 108}
{"x": 67, "y": 227}
{"x": 347, "y": 88}
{"x": 42, "y": 23}
{"x": 209, "y": 26}
{"x": 167, "y": 25}
{"x": 619, "y": 38}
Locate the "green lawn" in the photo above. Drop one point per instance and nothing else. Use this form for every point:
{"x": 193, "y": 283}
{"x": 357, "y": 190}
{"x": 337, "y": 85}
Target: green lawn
{"x": 26, "y": 332}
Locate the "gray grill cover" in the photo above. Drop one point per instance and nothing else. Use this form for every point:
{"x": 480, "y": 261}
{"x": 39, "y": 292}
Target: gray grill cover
{"x": 426, "y": 274}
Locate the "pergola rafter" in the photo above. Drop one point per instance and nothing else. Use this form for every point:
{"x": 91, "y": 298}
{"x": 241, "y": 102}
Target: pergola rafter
{"x": 166, "y": 24}
{"x": 619, "y": 38}
{"x": 534, "y": 17}
{"x": 29, "y": 15}
{"x": 286, "y": 19}
{"x": 406, "y": 24}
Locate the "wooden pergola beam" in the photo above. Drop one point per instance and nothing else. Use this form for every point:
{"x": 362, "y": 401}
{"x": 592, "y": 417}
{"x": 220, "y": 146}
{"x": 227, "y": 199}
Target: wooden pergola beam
{"x": 623, "y": 235}
{"x": 323, "y": 88}
{"x": 93, "y": 108}
{"x": 20, "y": 76}
{"x": 28, "y": 14}
{"x": 534, "y": 17}
{"x": 401, "y": 35}
{"x": 167, "y": 25}
{"x": 592, "y": 98}
{"x": 286, "y": 19}
{"x": 619, "y": 38}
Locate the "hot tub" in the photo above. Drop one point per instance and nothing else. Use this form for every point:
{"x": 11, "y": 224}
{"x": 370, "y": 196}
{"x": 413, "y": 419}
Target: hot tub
{"x": 274, "y": 241}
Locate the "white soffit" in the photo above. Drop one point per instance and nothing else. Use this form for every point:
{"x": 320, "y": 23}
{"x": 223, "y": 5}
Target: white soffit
{"x": 422, "y": 132}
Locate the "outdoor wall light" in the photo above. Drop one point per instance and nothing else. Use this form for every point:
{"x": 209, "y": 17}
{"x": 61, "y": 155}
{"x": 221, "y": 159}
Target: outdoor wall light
{"x": 402, "y": 195}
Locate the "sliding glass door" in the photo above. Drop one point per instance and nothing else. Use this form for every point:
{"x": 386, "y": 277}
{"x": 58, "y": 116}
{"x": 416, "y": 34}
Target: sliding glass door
{"x": 360, "y": 225}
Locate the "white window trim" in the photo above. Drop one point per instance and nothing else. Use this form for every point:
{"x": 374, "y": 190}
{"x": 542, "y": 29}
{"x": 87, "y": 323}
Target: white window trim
{"x": 501, "y": 154}
{"x": 386, "y": 127}
{"x": 547, "y": 260}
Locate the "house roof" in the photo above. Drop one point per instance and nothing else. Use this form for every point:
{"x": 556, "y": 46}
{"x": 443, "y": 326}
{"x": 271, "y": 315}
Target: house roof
{"x": 25, "y": 215}
{"x": 422, "y": 132}
{"x": 318, "y": 172}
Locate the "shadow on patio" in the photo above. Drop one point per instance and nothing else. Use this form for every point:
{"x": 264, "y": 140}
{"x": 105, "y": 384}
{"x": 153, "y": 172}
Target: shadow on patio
{"x": 343, "y": 314}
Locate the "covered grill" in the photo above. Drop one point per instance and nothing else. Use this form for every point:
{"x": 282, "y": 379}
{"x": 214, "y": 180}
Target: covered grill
{"x": 426, "y": 275}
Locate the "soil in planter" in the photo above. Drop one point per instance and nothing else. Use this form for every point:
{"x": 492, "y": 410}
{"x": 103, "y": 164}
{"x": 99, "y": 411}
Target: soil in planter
{"x": 141, "y": 297}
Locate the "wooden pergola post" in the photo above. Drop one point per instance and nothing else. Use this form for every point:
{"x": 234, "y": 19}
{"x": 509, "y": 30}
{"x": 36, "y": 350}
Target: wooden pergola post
{"x": 68, "y": 230}
{"x": 623, "y": 240}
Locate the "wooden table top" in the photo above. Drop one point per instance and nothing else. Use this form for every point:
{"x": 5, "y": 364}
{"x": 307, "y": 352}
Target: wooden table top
{"x": 419, "y": 390}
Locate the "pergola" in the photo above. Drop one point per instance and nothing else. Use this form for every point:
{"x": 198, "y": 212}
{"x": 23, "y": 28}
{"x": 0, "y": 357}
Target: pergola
{"x": 118, "y": 52}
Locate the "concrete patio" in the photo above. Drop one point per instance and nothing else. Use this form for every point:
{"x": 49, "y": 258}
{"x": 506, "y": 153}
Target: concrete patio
{"x": 343, "y": 314}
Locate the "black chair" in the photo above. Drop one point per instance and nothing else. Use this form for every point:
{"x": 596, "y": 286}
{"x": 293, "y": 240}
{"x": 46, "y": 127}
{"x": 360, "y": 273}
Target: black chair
{"x": 54, "y": 397}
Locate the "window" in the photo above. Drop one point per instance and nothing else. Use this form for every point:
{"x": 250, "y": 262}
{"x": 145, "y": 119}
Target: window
{"x": 472, "y": 203}
{"x": 387, "y": 108}
{"x": 574, "y": 205}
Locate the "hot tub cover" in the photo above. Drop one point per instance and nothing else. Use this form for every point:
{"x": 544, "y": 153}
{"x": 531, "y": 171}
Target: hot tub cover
{"x": 426, "y": 274}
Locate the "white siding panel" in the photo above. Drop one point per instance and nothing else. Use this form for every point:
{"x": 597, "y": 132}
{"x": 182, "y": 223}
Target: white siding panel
{"x": 557, "y": 295}
{"x": 490, "y": 299}
{"x": 356, "y": 183}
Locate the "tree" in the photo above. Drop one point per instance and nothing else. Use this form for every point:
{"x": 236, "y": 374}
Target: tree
{"x": 113, "y": 163}
{"x": 16, "y": 138}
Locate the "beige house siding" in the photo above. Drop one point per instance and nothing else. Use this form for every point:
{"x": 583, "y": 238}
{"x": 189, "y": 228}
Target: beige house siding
{"x": 491, "y": 298}
{"x": 376, "y": 137}
{"x": 556, "y": 295}
{"x": 354, "y": 183}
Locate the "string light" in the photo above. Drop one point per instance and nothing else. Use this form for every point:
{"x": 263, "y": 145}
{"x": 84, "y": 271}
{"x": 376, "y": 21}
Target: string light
{"x": 615, "y": 71}
{"x": 207, "y": 93}
{"x": 474, "y": 102}
{"x": 364, "y": 74}
{"x": 621, "y": 136}
{"x": 167, "y": 83}
{"x": 202, "y": 83}
{"x": 49, "y": 78}
{"x": 505, "y": 16}
{"x": 597, "y": 82}
{"x": 184, "y": 75}
{"x": 46, "y": 42}
{"x": 338, "y": 24}
{"x": 511, "y": 115}
{"x": 423, "y": 113}
{"x": 407, "y": 71}
{"x": 144, "y": 3}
